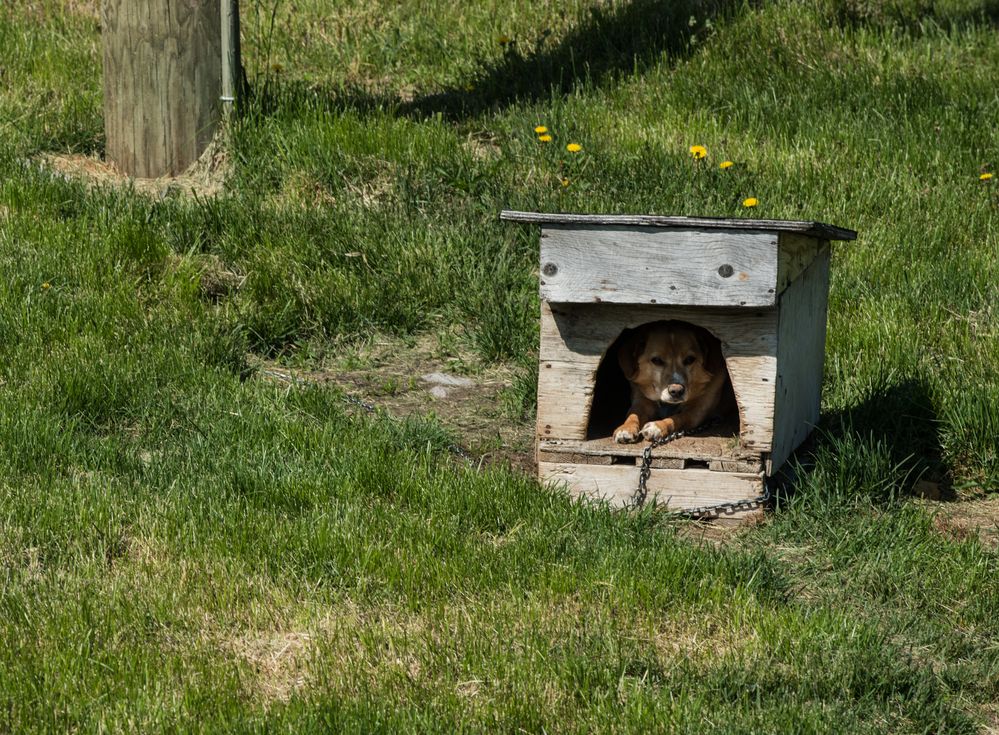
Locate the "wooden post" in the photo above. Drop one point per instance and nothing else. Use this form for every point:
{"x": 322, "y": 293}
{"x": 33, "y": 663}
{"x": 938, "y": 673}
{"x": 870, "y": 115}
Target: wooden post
{"x": 162, "y": 83}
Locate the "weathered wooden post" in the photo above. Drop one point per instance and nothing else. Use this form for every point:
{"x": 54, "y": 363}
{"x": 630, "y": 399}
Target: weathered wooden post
{"x": 162, "y": 82}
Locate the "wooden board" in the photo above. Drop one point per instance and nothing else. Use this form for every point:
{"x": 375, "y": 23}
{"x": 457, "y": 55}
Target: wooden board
{"x": 676, "y": 489}
{"x": 162, "y": 81}
{"x": 806, "y": 227}
{"x": 796, "y": 253}
{"x": 800, "y": 350}
{"x": 718, "y": 453}
{"x": 647, "y": 265}
{"x": 575, "y": 337}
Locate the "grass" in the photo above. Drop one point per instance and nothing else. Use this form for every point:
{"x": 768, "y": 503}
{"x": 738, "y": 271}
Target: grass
{"x": 185, "y": 545}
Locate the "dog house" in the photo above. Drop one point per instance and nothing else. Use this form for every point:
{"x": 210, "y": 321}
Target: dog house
{"x": 759, "y": 286}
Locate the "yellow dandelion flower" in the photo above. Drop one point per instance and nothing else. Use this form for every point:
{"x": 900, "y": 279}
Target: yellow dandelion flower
{"x": 46, "y": 286}
{"x": 725, "y": 164}
{"x": 545, "y": 138}
{"x": 565, "y": 183}
{"x": 574, "y": 148}
{"x": 503, "y": 40}
{"x": 698, "y": 151}
{"x": 985, "y": 177}
{"x": 750, "y": 202}
{"x": 541, "y": 130}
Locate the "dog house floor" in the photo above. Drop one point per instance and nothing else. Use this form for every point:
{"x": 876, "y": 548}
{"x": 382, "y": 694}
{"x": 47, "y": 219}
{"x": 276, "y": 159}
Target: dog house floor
{"x": 716, "y": 449}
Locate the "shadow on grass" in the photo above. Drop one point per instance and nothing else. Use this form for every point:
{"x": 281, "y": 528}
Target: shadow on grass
{"x": 875, "y": 450}
{"x": 623, "y": 39}
{"x": 915, "y": 17}
{"x": 626, "y": 38}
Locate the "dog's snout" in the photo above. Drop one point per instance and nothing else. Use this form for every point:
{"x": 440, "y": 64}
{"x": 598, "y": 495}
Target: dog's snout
{"x": 676, "y": 390}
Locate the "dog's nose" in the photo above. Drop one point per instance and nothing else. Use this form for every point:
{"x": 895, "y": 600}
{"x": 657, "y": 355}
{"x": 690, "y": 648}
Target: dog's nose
{"x": 676, "y": 390}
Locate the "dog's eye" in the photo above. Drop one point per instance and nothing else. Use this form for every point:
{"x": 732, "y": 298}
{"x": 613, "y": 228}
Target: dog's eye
{"x": 657, "y": 361}
{"x": 689, "y": 360}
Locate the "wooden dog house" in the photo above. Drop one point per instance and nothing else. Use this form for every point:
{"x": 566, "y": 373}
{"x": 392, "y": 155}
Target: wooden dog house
{"x": 760, "y": 286}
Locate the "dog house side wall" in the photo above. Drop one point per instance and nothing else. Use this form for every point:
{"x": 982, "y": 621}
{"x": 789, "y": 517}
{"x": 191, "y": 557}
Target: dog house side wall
{"x": 574, "y": 338}
{"x": 801, "y": 336}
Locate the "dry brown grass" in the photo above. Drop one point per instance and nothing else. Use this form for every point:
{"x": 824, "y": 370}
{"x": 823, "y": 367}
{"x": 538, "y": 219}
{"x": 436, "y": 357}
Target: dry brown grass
{"x": 205, "y": 178}
{"x": 965, "y": 519}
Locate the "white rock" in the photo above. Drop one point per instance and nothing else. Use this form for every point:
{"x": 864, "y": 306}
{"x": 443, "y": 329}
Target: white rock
{"x": 445, "y": 379}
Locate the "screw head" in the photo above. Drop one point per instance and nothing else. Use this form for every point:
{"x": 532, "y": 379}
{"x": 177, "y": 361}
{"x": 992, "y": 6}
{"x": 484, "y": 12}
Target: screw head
{"x": 549, "y": 269}
{"x": 726, "y": 271}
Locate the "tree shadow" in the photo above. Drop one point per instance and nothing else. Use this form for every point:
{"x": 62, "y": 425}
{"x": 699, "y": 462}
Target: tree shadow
{"x": 914, "y": 17}
{"x": 625, "y": 38}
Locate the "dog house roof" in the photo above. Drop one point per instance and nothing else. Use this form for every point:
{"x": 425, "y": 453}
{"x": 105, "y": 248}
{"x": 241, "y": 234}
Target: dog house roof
{"x": 804, "y": 227}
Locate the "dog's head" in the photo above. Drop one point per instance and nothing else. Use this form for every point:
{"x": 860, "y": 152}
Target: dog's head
{"x": 670, "y": 362}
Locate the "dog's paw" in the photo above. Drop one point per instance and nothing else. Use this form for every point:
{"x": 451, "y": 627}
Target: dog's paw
{"x": 651, "y": 431}
{"x": 624, "y": 436}
{"x": 657, "y": 429}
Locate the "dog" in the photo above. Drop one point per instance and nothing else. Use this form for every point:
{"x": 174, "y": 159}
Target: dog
{"x": 678, "y": 380}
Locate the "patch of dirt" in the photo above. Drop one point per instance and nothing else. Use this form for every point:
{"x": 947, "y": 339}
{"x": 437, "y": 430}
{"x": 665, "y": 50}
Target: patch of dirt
{"x": 279, "y": 660}
{"x": 964, "y": 519}
{"x": 483, "y": 146}
{"x": 426, "y": 377}
{"x": 205, "y": 178}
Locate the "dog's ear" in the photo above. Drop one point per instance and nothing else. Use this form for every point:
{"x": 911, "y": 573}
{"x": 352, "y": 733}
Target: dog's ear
{"x": 711, "y": 351}
{"x": 628, "y": 352}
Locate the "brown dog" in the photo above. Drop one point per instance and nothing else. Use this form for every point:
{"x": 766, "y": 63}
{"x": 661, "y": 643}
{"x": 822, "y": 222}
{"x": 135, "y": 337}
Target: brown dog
{"x": 678, "y": 380}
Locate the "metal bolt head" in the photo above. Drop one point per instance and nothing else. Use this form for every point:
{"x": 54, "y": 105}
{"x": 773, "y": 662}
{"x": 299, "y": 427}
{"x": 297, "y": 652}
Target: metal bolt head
{"x": 726, "y": 271}
{"x": 549, "y": 269}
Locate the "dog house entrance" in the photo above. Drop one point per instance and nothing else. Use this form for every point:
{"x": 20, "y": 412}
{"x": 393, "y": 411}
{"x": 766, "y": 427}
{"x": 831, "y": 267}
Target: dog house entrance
{"x": 716, "y": 448}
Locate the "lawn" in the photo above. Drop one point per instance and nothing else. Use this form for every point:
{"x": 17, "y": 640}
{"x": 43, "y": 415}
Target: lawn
{"x": 199, "y": 532}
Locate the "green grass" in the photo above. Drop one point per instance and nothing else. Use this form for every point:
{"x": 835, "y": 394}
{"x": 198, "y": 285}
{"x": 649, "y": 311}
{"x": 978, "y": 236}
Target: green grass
{"x": 186, "y": 546}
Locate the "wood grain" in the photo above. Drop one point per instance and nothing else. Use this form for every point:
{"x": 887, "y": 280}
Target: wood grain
{"x": 800, "y": 354}
{"x": 162, "y": 82}
{"x": 678, "y": 489}
{"x": 806, "y": 227}
{"x": 646, "y": 265}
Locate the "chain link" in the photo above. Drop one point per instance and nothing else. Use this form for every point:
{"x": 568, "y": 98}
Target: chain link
{"x": 726, "y": 508}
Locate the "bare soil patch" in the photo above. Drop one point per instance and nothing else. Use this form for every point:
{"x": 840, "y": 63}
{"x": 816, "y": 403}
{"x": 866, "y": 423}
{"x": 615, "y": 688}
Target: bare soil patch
{"x": 425, "y": 377}
{"x": 964, "y": 519}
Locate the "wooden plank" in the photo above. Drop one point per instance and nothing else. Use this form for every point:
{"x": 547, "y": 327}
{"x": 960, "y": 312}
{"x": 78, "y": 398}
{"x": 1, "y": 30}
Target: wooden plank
{"x": 800, "y": 354}
{"x": 677, "y": 489}
{"x": 565, "y": 394}
{"x": 806, "y": 227}
{"x": 686, "y": 453}
{"x": 716, "y": 446}
{"x": 796, "y": 253}
{"x": 575, "y": 337}
{"x": 630, "y": 265}
{"x": 162, "y": 81}
{"x": 572, "y": 458}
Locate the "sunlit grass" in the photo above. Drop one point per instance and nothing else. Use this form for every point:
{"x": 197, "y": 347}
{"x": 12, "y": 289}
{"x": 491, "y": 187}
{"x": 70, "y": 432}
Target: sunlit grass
{"x": 187, "y": 545}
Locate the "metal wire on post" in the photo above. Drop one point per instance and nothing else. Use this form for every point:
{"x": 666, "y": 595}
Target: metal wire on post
{"x": 232, "y": 63}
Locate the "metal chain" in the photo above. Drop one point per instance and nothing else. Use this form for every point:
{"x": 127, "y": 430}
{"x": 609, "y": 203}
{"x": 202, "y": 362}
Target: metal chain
{"x": 726, "y": 508}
